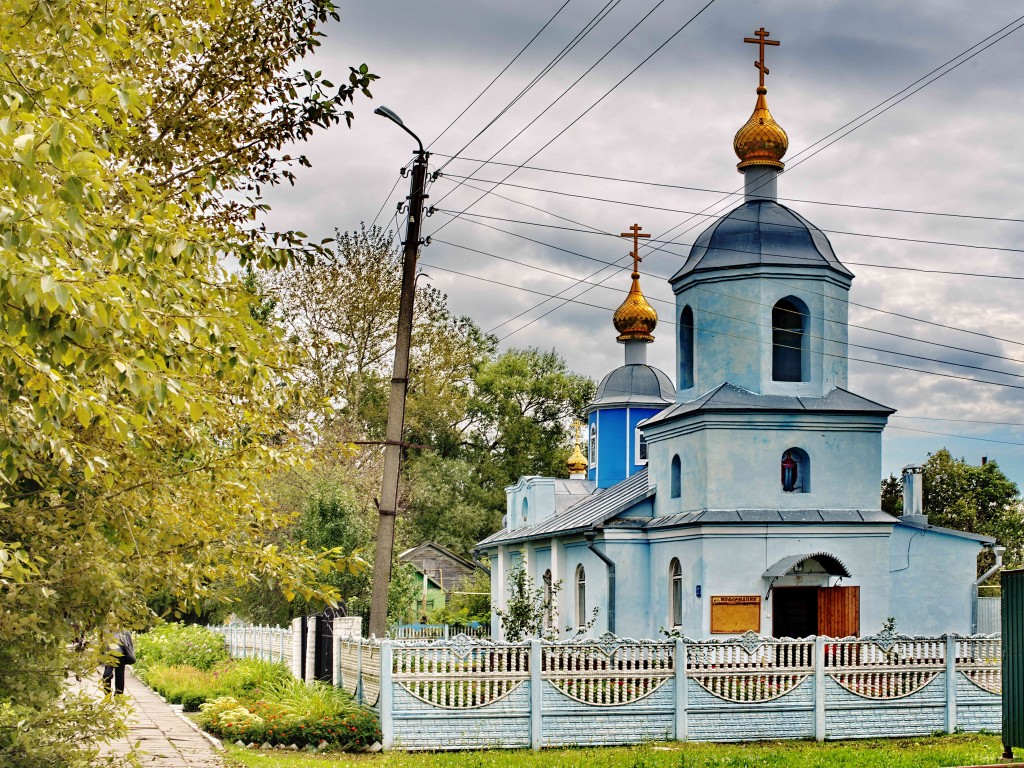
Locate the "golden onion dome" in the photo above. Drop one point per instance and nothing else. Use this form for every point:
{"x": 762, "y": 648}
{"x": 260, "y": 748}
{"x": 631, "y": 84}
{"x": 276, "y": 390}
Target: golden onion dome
{"x": 761, "y": 141}
{"x": 635, "y": 318}
{"x": 577, "y": 462}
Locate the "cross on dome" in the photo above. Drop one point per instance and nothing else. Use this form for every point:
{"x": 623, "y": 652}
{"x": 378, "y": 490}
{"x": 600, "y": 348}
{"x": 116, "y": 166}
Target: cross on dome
{"x": 636, "y": 235}
{"x": 761, "y": 40}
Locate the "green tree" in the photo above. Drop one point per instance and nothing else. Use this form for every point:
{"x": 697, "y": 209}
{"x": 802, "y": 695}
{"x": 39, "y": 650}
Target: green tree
{"x": 142, "y": 401}
{"x": 978, "y": 499}
{"x": 892, "y": 495}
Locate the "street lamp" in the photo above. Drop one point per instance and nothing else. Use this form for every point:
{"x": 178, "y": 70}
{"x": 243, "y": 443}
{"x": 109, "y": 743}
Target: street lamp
{"x": 393, "y": 444}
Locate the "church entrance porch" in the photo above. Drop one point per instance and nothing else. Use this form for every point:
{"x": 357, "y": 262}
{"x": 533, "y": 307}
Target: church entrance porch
{"x": 805, "y": 611}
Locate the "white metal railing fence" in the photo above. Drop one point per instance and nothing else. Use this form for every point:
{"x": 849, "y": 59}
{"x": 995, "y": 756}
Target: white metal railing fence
{"x": 438, "y": 631}
{"x": 247, "y": 641}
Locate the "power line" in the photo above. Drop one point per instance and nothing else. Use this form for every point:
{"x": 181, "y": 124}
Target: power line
{"x": 595, "y": 231}
{"x": 950, "y": 434}
{"x": 657, "y": 276}
{"x": 722, "y": 216}
{"x": 602, "y": 98}
{"x": 755, "y": 323}
{"x": 658, "y": 247}
{"x": 737, "y": 193}
{"x": 547, "y": 68}
{"x": 496, "y": 77}
{"x": 744, "y": 338}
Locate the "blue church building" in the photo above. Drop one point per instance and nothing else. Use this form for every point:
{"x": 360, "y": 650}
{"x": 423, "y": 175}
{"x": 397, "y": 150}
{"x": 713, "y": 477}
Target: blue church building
{"x": 746, "y": 497}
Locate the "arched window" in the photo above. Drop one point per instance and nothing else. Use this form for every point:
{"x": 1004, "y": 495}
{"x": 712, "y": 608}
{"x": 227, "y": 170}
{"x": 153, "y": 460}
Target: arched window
{"x": 675, "y": 593}
{"x": 592, "y": 452}
{"x": 549, "y": 599}
{"x": 789, "y": 340}
{"x": 526, "y": 509}
{"x": 795, "y": 471}
{"x": 677, "y": 477}
{"x": 686, "y": 348}
{"x": 581, "y": 596}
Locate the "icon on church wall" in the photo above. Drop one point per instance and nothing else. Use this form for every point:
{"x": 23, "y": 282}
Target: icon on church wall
{"x": 790, "y": 470}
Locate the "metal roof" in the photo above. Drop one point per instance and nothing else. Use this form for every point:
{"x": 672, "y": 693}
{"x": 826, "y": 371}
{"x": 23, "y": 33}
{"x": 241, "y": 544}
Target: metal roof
{"x": 760, "y": 233}
{"x": 832, "y": 565}
{"x": 635, "y": 384}
{"x": 729, "y": 397}
{"x": 762, "y": 516}
{"x": 981, "y": 539}
{"x": 585, "y": 514}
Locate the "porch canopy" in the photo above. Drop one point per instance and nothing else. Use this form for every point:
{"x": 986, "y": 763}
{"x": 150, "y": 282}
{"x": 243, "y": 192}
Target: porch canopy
{"x": 832, "y": 565}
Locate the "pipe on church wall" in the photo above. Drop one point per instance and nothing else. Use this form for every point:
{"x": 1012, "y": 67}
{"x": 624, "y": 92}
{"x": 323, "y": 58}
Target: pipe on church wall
{"x": 590, "y": 536}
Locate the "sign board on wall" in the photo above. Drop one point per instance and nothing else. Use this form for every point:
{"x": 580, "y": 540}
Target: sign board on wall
{"x": 733, "y": 614}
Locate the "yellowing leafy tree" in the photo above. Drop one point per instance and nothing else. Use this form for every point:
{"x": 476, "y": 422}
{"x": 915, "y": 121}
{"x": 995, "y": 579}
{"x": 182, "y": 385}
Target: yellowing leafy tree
{"x": 140, "y": 399}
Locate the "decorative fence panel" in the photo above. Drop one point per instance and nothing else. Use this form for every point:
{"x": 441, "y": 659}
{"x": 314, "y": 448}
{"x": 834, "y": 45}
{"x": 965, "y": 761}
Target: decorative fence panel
{"x": 246, "y": 641}
{"x": 466, "y": 692}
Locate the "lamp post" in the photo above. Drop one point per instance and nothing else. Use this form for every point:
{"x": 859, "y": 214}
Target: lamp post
{"x": 388, "y": 505}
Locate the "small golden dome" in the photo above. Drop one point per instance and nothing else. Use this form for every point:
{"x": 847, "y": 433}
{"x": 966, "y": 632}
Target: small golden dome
{"x": 635, "y": 318}
{"x": 761, "y": 141}
{"x": 577, "y": 462}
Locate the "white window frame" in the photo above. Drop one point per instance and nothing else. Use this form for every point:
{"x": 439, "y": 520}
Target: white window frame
{"x": 638, "y": 441}
{"x": 592, "y": 446}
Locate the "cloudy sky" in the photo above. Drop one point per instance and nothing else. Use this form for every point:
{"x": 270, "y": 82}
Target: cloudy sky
{"x": 955, "y": 147}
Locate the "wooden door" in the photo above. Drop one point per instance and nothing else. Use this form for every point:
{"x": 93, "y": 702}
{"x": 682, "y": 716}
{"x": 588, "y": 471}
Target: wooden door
{"x": 839, "y": 611}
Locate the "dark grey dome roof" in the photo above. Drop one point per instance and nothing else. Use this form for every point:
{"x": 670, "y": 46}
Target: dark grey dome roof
{"x": 635, "y": 384}
{"x": 761, "y": 233}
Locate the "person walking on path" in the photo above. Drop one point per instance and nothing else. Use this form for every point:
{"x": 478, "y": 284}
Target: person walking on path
{"x": 123, "y": 650}
{"x": 163, "y": 738}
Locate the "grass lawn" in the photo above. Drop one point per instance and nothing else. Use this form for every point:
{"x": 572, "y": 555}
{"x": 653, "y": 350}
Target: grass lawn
{"x": 956, "y": 750}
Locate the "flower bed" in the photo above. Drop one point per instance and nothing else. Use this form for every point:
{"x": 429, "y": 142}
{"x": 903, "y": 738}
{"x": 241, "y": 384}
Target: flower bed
{"x": 264, "y": 722}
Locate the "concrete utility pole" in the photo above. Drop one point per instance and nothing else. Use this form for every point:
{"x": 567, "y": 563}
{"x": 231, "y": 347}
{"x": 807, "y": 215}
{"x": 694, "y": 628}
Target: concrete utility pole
{"x": 388, "y": 505}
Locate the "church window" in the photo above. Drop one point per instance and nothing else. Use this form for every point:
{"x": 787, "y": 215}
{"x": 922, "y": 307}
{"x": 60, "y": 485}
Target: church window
{"x": 795, "y": 471}
{"x": 789, "y": 340}
{"x": 581, "y": 596}
{"x": 526, "y": 509}
{"x": 677, "y": 477}
{"x": 549, "y": 597}
{"x": 676, "y": 592}
{"x": 641, "y": 446}
{"x": 686, "y": 348}
{"x": 592, "y": 452}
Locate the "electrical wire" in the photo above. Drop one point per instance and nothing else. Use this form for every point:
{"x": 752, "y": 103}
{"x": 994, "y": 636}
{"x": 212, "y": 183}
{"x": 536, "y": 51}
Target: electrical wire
{"x": 722, "y": 192}
{"x": 762, "y": 304}
{"x": 602, "y": 98}
{"x": 744, "y": 338}
{"x": 719, "y": 217}
{"x": 496, "y": 77}
{"x": 566, "y": 50}
{"x": 660, "y": 277}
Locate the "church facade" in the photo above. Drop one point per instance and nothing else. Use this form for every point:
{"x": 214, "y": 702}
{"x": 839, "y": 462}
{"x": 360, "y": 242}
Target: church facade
{"x": 746, "y": 497}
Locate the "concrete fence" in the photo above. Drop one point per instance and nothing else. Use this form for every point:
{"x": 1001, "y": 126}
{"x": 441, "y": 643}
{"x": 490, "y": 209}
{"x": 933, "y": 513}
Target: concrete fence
{"x": 464, "y": 693}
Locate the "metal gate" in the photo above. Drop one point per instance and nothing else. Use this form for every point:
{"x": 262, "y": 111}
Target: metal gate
{"x": 323, "y": 650}
{"x": 1013, "y": 660}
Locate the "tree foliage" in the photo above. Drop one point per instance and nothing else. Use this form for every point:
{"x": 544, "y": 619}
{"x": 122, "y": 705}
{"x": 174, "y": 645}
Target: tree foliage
{"x": 141, "y": 398}
{"x": 978, "y": 499}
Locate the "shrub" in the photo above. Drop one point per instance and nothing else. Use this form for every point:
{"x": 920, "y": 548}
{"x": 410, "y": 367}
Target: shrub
{"x": 190, "y": 687}
{"x": 301, "y": 699}
{"x": 179, "y": 644}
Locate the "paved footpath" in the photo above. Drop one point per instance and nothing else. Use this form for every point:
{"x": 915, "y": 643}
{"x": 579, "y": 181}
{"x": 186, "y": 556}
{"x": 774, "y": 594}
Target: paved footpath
{"x": 165, "y": 740}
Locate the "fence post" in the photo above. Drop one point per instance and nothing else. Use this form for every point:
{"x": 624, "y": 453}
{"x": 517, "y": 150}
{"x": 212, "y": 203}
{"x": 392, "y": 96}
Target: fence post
{"x": 336, "y": 652}
{"x": 297, "y": 648}
{"x": 312, "y": 625}
{"x": 950, "y": 683}
{"x": 681, "y": 692}
{"x": 359, "y": 671}
{"x": 387, "y": 723}
{"x": 536, "y": 697}
{"x": 280, "y": 648}
{"x": 819, "y": 688}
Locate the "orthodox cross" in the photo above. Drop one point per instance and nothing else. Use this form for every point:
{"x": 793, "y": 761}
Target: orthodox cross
{"x": 576, "y": 424}
{"x": 636, "y": 235}
{"x": 761, "y": 40}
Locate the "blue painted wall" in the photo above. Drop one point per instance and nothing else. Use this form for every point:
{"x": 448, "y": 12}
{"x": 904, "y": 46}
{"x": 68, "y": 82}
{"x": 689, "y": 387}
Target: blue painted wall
{"x": 616, "y": 443}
